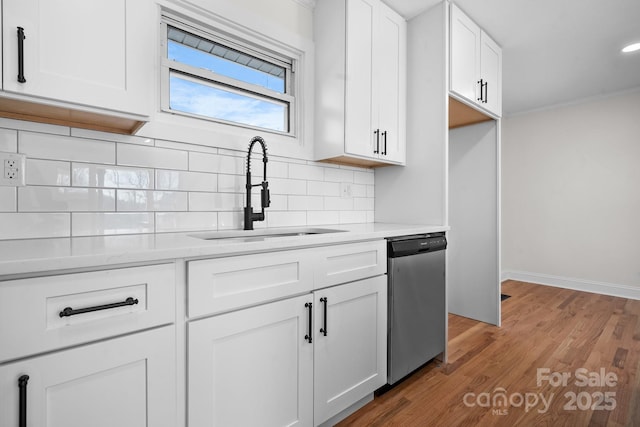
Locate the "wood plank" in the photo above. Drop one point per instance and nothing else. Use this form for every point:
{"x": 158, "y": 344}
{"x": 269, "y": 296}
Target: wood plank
{"x": 461, "y": 114}
{"x": 56, "y": 115}
{"x": 542, "y": 327}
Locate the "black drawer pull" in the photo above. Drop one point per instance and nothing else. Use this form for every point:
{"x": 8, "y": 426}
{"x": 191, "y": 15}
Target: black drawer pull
{"x": 308, "y": 336}
{"x": 21, "y": 38}
{"x": 22, "y": 403}
{"x": 323, "y": 330}
{"x": 70, "y": 311}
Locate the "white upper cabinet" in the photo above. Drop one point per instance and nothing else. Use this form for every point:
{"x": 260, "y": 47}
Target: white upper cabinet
{"x": 476, "y": 64}
{"x": 95, "y": 53}
{"x": 360, "y": 83}
{"x": 491, "y": 73}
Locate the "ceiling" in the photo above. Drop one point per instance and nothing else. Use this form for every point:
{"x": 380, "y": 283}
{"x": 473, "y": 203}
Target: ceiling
{"x": 554, "y": 52}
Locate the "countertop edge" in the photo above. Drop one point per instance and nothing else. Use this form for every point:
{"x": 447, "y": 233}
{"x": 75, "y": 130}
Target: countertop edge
{"x": 28, "y": 257}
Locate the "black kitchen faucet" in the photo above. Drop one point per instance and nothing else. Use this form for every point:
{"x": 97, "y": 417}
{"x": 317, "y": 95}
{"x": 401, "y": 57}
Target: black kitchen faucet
{"x": 249, "y": 216}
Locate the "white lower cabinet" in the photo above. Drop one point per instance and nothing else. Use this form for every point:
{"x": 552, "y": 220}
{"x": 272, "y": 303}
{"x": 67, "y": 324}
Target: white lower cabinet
{"x": 274, "y": 365}
{"x": 350, "y": 361}
{"x": 252, "y": 367}
{"x": 125, "y": 382}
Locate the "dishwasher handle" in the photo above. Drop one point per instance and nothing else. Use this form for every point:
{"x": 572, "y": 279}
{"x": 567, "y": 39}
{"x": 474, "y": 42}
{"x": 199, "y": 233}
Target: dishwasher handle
{"x": 415, "y": 245}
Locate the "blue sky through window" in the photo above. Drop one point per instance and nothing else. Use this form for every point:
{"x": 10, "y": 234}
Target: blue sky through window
{"x": 204, "y": 100}
{"x": 199, "y": 59}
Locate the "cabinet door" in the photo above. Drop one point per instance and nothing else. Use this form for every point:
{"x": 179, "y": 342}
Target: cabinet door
{"x": 350, "y": 361}
{"x": 124, "y": 382}
{"x": 465, "y": 55}
{"x": 252, "y": 367}
{"x": 96, "y": 53}
{"x": 491, "y": 72}
{"x": 391, "y": 84}
{"x": 361, "y": 97}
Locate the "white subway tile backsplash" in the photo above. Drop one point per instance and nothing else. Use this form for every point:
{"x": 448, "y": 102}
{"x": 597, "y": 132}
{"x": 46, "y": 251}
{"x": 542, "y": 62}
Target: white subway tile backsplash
{"x": 89, "y": 175}
{"x": 306, "y": 203}
{"x": 26, "y": 225}
{"x": 56, "y": 147}
{"x": 83, "y": 183}
{"x": 339, "y": 175}
{"x": 286, "y": 218}
{"x": 151, "y": 157}
{"x": 186, "y": 181}
{"x": 65, "y": 199}
{"x": 317, "y": 188}
{"x": 278, "y": 202}
{"x": 8, "y": 199}
{"x": 47, "y": 172}
{"x": 285, "y": 186}
{"x": 274, "y": 169}
{"x": 359, "y": 190}
{"x": 231, "y": 183}
{"x": 8, "y": 140}
{"x": 370, "y": 216}
{"x": 338, "y": 203}
{"x": 363, "y": 204}
{"x": 352, "y": 217}
{"x": 145, "y": 200}
{"x": 363, "y": 177}
{"x": 89, "y": 224}
{"x": 185, "y": 147}
{"x": 201, "y": 201}
{"x": 308, "y": 172}
{"x": 371, "y": 191}
{"x": 230, "y": 220}
{"x": 323, "y": 217}
{"x": 215, "y": 163}
{"x": 185, "y": 221}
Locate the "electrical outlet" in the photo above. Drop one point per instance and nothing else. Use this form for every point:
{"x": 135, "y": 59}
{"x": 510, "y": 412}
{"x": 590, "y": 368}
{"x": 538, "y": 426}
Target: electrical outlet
{"x": 345, "y": 190}
{"x": 13, "y": 169}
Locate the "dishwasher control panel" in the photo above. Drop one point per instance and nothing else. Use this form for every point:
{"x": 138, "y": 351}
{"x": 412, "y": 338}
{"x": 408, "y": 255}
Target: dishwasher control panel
{"x": 409, "y": 245}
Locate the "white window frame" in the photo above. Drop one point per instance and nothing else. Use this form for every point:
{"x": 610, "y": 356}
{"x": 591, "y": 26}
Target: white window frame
{"x": 262, "y": 51}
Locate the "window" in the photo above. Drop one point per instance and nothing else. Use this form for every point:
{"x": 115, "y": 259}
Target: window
{"x": 210, "y": 76}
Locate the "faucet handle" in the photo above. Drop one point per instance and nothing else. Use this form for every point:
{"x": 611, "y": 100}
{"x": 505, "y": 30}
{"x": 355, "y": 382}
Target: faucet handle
{"x": 264, "y": 194}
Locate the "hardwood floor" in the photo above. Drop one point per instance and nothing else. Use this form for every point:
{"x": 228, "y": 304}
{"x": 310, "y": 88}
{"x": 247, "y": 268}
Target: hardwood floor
{"x": 546, "y": 333}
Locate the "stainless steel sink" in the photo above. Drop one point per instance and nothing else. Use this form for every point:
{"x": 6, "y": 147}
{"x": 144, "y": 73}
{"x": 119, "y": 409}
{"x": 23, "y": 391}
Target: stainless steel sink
{"x": 259, "y": 235}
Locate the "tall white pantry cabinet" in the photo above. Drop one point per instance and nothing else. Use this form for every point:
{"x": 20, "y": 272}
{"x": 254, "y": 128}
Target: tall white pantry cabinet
{"x": 452, "y": 174}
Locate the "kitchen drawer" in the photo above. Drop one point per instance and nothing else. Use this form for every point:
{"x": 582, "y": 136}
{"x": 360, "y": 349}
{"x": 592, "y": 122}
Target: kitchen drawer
{"x": 349, "y": 262}
{"x": 223, "y": 284}
{"x": 32, "y": 310}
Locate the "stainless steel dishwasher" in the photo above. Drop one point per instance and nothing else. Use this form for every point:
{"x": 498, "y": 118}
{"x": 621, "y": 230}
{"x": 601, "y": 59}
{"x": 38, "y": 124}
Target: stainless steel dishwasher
{"x": 417, "y": 306}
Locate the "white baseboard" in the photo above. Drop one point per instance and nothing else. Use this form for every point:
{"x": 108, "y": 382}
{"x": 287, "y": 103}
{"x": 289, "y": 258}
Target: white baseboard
{"x": 603, "y": 288}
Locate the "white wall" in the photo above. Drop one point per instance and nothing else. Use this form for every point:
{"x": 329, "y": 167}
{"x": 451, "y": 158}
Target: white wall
{"x": 571, "y": 196}
{"x": 473, "y": 283}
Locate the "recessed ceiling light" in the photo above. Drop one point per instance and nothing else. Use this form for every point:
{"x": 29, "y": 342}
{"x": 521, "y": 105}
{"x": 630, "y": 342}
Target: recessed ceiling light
{"x": 631, "y": 48}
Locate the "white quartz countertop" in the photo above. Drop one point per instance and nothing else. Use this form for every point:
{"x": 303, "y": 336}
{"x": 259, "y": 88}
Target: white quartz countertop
{"x": 32, "y": 256}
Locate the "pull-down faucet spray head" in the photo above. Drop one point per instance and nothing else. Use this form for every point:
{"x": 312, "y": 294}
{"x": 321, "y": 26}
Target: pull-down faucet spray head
{"x": 249, "y": 215}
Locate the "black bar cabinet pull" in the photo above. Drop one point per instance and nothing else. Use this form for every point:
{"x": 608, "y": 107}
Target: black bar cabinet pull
{"x": 377, "y": 134}
{"x": 384, "y": 134}
{"x": 481, "y": 88}
{"x": 21, "y": 38}
{"x": 324, "y": 328}
{"x": 310, "y": 307}
{"x": 70, "y": 311}
{"x": 22, "y": 410}
{"x": 486, "y": 92}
